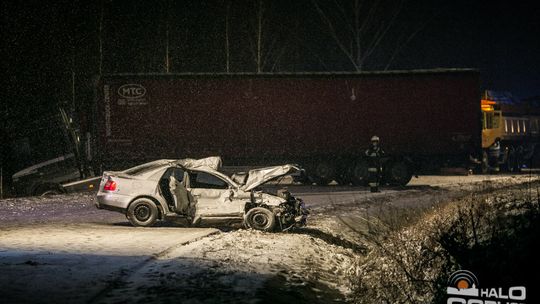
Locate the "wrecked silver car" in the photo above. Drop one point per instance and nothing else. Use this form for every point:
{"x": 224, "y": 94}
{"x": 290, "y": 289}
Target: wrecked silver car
{"x": 194, "y": 189}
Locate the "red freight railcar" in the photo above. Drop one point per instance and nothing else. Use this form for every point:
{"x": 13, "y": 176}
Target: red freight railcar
{"x": 323, "y": 121}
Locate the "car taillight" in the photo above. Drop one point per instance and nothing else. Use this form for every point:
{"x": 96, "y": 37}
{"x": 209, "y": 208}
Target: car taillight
{"x": 110, "y": 185}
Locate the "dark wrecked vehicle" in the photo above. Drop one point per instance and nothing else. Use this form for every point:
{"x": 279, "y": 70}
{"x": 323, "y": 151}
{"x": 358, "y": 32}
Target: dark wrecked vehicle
{"x": 196, "y": 191}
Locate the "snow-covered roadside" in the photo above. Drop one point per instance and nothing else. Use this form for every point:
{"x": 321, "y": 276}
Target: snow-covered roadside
{"x": 246, "y": 266}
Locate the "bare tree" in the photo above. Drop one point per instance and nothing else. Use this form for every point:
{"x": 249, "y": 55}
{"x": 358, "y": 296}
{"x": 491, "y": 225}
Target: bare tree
{"x": 260, "y": 13}
{"x": 359, "y": 27}
{"x": 100, "y": 37}
{"x": 227, "y": 48}
{"x": 402, "y": 42}
{"x": 167, "y": 31}
{"x": 265, "y": 48}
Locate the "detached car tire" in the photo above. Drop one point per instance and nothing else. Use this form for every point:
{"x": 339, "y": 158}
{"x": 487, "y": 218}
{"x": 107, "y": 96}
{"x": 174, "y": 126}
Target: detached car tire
{"x": 260, "y": 219}
{"x": 142, "y": 213}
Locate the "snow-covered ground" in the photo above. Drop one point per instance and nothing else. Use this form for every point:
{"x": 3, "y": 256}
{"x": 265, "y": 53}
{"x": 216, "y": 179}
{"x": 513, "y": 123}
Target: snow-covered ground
{"x": 65, "y": 250}
{"x": 73, "y": 263}
{"x": 243, "y": 266}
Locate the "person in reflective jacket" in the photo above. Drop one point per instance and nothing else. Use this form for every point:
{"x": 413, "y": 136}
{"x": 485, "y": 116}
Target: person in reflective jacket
{"x": 374, "y": 154}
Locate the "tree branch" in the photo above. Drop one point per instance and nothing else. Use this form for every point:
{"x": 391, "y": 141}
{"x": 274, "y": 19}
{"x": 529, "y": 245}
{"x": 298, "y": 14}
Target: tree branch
{"x": 407, "y": 41}
{"x": 333, "y": 33}
{"x": 383, "y": 32}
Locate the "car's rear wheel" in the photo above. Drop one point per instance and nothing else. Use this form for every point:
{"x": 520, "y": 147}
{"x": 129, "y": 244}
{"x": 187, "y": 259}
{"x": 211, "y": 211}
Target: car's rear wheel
{"x": 142, "y": 213}
{"x": 260, "y": 219}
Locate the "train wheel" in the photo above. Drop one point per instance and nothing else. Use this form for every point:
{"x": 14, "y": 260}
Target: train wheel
{"x": 343, "y": 173}
{"x": 359, "y": 173}
{"x": 323, "y": 173}
{"x": 399, "y": 174}
{"x": 343, "y": 178}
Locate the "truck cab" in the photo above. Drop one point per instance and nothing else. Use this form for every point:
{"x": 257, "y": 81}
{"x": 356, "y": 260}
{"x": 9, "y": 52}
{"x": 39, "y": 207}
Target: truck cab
{"x": 492, "y": 126}
{"x": 515, "y": 124}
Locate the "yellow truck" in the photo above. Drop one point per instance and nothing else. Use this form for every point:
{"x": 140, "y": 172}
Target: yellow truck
{"x": 516, "y": 125}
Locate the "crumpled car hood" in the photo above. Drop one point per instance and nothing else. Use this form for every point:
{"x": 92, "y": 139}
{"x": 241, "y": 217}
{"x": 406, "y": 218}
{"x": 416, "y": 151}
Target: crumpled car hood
{"x": 213, "y": 162}
{"x": 258, "y": 177}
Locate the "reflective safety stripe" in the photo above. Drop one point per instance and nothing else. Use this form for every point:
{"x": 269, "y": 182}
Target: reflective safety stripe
{"x": 494, "y": 150}
{"x": 373, "y": 184}
{"x": 372, "y": 169}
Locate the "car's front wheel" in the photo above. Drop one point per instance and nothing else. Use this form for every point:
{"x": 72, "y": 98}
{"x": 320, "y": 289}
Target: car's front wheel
{"x": 260, "y": 219}
{"x": 142, "y": 213}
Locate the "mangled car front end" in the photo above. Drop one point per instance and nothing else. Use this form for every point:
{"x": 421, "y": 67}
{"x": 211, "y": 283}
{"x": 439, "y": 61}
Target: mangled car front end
{"x": 287, "y": 210}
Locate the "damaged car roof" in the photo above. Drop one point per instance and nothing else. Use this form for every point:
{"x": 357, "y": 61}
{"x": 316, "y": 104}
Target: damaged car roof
{"x": 255, "y": 177}
{"x": 213, "y": 162}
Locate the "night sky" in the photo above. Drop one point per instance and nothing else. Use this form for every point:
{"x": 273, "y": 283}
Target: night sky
{"x": 45, "y": 43}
